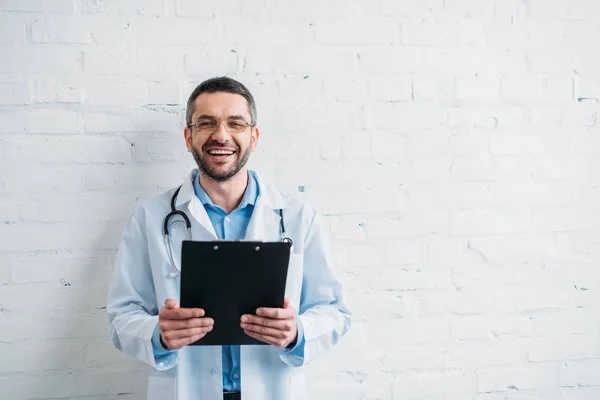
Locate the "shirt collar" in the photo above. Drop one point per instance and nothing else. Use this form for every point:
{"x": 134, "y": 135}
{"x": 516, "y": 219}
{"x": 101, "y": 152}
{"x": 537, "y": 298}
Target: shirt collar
{"x": 249, "y": 198}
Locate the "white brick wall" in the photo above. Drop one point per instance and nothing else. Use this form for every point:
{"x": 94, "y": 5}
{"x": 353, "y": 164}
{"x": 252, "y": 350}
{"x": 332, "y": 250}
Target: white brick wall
{"x": 453, "y": 147}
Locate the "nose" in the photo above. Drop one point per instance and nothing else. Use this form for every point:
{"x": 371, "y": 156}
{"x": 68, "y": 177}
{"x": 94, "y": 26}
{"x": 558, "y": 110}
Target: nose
{"x": 221, "y": 135}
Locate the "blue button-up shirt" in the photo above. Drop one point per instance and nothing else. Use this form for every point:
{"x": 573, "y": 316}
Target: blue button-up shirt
{"x": 230, "y": 226}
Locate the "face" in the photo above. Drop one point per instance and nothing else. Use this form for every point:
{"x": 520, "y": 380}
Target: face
{"x": 222, "y": 154}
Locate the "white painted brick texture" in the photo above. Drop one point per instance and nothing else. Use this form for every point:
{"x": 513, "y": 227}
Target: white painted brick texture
{"x": 453, "y": 147}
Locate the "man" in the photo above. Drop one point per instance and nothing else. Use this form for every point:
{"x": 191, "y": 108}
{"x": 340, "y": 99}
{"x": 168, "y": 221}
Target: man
{"x": 224, "y": 200}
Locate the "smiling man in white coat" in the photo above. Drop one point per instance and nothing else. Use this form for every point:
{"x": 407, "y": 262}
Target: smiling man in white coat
{"x": 223, "y": 200}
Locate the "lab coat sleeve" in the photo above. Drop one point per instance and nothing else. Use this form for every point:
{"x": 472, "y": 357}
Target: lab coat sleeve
{"x": 324, "y": 315}
{"x": 132, "y": 307}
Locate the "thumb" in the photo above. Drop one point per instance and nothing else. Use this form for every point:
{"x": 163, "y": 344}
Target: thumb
{"x": 286, "y": 303}
{"x": 171, "y": 304}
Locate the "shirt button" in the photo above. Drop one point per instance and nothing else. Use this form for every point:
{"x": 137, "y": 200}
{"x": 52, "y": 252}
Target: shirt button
{"x": 235, "y": 376}
{"x": 161, "y": 365}
{"x": 213, "y": 371}
{"x": 227, "y": 219}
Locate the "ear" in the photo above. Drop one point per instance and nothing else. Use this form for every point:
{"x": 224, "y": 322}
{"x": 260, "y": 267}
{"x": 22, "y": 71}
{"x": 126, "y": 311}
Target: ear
{"x": 254, "y": 138}
{"x": 187, "y": 135}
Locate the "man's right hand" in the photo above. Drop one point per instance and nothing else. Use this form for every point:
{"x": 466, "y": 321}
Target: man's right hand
{"x": 182, "y": 326}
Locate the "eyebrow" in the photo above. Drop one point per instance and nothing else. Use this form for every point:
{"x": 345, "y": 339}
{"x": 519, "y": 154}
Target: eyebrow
{"x": 206, "y": 116}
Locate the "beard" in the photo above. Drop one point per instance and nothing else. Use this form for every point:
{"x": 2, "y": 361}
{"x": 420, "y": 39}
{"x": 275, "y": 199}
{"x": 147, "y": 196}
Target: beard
{"x": 221, "y": 176}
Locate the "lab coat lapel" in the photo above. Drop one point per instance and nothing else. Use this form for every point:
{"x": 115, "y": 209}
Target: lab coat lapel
{"x": 264, "y": 224}
{"x": 197, "y": 210}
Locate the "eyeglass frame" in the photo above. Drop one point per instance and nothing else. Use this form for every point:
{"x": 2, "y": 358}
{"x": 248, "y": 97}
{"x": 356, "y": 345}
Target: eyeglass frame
{"x": 219, "y": 122}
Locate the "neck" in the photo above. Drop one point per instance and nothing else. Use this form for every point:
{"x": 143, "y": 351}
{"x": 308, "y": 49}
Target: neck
{"x": 227, "y": 195}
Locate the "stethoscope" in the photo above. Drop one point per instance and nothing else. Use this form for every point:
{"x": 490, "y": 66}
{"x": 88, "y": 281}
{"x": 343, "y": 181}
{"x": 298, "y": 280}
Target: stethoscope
{"x": 188, "y": 225}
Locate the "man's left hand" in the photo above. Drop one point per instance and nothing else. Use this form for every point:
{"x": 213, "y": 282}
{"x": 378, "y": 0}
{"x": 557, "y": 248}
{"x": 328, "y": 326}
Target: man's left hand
{"x": 276, "y": 326}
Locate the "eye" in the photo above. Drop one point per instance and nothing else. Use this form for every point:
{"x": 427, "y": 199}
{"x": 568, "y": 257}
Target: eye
{"x": 206, "y": 124}
{"x": 236, "y": 124}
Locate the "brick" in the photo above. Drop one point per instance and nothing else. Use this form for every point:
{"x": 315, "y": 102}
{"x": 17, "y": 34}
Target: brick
{"x": 25, "y": 59}
{"x": 496, "y": 353}
{"x": 60, "y": 89}
{"x": 563, "y": 322}
{"x": 470, "y": 8}
{"x": 163, "y": 147}
{"x": 551, "y": 219}
{"x": 587, "y": 87}
{"x": 399, "y": 117}
{"x": 392, "y": 280}
{"x": 41, "y": 121}
{"x": 390, "y": 88}
{"x": 491, "y": 325}
{"x": 580, "y": 373}
{"x": 401, "y": 60}
{"x": 12, "y": 28}
{"x": 358, "y": 32}
{"x": 275, "y": 32}
{"x": 443, "y": 383}
{"x": 99, "y": 60}
{"x": 15, "y": 93}
{"x": 581, "y": 393}
{"x": 551, "y": 9}
{"x": 303, "y": 60}
{"x": 327, "y": 8}
{"x": 37, "y": 5}
{"x": 88, "y": 270}
{"x": 480, "y": 90}
{"x": 167, "y": 64}
{"x": 520, "y": 378}
{"x": 538, "y": 89}
{"x": 434, "y": 88}
{"x": 141, "y": 7}
{"x": 582, "y": 9}
{"x": 164, "y": 32}
{"x": 412, "y": 8}
{"x": 470, "y": 60}
{"x": 405, "y": 252}
{"x": 442, "y": 32}
{"x": 563, "y": 347}
{"x": 164, "y": 93}
{"x": 507, "y": 34}
{"x": 217, "y": 62}
{"x": 413, "y": 224}
{"x": 189, "y": 8}
{"x": 26, "y": 386}
{"x": 102, "y": 91}
{"x": 409, "y": 331}
{"x": 385, "y": 146}
{"x": 449, "y": 196}
{"x": 527, "y": 143}
{"x": 137, "y": 121}
{"x": 61, "y": 30}
{"x": 490, "y": 221}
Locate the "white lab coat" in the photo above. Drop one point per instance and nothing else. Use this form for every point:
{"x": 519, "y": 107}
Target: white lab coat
{"x": 141, "y": 283}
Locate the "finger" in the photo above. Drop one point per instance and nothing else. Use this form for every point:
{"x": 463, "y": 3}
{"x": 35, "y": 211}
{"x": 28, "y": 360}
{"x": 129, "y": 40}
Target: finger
{"x": 266, "y": 339}
{"x": 262, "y": 330}
{"x": 267, "y": 322}
{"x": 186, "y": 333}
{"x": 171, "y": 304}
{"x": 181, "y": 313}
{"x": 286, "y": 303}
{"x": 276, "y": 313}
{"x": 179, "y": 343}
{"x": 178, "y": 324}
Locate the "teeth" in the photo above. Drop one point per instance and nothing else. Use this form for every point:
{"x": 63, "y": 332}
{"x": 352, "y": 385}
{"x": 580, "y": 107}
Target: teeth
{"x": 215, "y": 152}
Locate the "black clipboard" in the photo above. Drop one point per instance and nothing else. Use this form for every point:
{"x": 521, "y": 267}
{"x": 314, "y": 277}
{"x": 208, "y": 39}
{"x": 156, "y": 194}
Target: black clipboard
{"x": 231, "y": 278}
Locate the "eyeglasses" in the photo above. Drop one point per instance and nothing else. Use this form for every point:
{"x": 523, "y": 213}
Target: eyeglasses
{"x": 210, "y": 126}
